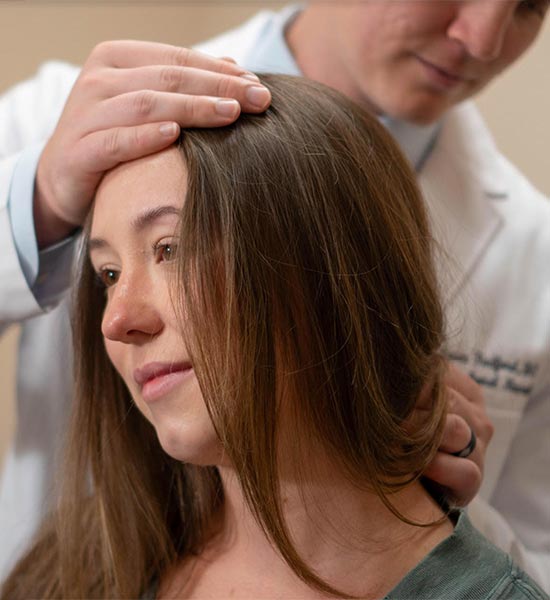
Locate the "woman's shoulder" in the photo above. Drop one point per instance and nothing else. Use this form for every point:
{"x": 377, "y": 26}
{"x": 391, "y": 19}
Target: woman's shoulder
{"x": 467, "y": 565}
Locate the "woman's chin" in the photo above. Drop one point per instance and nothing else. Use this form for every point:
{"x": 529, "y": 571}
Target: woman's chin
{"x": 193, "y": 445}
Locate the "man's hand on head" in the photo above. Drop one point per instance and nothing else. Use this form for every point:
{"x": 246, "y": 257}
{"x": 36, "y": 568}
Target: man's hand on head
{"x": 130, "y": 100}
{"x": 459, "y": 478}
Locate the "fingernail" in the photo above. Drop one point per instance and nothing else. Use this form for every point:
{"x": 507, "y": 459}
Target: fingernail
{"x": 169, "y": 129}
{"x": 227, "y": 108}
{"x": 258, "y": 96}
{"x": 250, "y": 76}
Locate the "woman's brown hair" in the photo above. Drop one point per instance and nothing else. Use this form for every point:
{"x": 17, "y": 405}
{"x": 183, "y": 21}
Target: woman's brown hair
{"x": 312, "y": 316}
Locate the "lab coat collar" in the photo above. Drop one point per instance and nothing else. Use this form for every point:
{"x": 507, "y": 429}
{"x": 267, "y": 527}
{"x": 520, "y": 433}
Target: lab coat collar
{"x": 463, "y": 180}
{"x": 271, "y": 52}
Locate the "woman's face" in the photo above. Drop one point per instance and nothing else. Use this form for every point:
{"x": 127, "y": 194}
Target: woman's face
{"x": 133, "y": 242}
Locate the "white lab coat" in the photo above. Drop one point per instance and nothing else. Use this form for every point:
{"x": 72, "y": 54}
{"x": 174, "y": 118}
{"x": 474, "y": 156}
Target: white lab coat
{"x": 493, "y": 228}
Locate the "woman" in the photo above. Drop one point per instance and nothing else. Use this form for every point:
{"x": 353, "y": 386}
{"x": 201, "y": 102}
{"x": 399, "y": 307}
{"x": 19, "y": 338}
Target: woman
{"x": 266, "y": 310}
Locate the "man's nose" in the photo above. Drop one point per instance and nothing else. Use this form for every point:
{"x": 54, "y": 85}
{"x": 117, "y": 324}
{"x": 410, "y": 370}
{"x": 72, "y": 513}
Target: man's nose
{"x": 480, "y": 26}
{"x": 130, "y": 315}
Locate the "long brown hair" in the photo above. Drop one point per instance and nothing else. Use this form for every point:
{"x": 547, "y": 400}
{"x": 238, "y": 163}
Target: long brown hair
{"x": 305, "y": 268}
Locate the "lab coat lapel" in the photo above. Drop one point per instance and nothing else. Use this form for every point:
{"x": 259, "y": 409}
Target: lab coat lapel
{"x": 462, "y": 182}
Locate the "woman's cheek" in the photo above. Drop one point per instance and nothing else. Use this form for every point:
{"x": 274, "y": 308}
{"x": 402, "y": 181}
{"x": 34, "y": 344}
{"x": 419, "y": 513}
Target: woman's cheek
{"x": 114, "y": 353}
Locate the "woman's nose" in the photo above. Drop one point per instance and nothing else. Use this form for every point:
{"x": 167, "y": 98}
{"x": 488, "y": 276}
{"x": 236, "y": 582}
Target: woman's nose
{"x": 130, "y": 315}
{"x": 480, "y": 26}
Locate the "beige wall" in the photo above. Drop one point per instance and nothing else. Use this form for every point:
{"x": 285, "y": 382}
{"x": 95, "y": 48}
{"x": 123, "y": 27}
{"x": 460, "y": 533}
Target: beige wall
{"x": 516, "y": 106}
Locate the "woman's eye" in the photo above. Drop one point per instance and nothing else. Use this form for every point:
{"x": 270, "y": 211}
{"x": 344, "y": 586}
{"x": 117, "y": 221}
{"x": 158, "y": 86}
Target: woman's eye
{"x": 165, "y": 252}
{"x": 108, "y": 277}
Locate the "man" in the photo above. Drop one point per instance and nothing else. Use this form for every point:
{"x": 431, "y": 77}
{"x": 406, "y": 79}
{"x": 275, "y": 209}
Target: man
{"x": 410, "y": 61}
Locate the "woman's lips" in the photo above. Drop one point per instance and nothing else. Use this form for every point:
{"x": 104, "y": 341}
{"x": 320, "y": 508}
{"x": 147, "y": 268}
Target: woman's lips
{"x": 159, "y": 379}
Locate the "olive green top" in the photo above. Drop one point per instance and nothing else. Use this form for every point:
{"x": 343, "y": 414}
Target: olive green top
{"x": 466, "y": 566}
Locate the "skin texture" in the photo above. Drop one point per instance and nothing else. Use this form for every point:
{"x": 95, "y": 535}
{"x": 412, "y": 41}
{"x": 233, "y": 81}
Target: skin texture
{"x": 389, "y": 55}
{"x": 461, "y": 478}
{"x": 139, "y": 324}
{"x": 130, "y": 101}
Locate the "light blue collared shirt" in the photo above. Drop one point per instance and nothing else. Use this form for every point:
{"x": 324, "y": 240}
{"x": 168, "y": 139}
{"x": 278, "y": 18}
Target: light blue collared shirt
{"x": 48, "y": 271}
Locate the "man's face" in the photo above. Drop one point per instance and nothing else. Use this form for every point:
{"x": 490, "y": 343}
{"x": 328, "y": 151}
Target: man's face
{"x": 414, "y": 59}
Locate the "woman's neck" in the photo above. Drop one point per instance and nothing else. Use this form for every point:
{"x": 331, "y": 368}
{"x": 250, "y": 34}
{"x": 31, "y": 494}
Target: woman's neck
{"x": 346, "y": 535}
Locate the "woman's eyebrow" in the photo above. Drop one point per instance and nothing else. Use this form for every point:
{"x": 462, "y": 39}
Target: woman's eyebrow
{"x": 139, "y": 223}
{"x": 152, "y": 214}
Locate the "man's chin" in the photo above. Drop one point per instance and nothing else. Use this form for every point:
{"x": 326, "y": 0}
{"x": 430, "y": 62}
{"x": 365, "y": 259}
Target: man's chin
{"x": 424, "y": 111}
